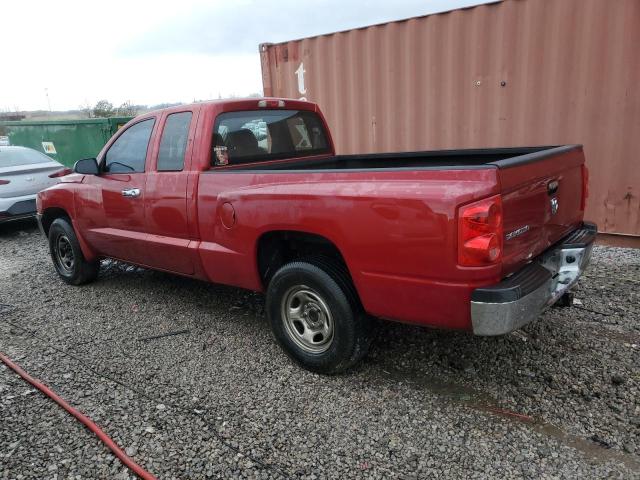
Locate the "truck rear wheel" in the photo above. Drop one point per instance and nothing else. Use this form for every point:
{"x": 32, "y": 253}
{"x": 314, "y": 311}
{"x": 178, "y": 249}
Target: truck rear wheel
{"x": 67, "y": 256}
{"x": 316, "y": 317}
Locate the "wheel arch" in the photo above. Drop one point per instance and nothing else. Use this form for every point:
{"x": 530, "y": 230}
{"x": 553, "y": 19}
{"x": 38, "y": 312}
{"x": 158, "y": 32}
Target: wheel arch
{"x": 50, "y": 214}
{"x": 275, "y": 248}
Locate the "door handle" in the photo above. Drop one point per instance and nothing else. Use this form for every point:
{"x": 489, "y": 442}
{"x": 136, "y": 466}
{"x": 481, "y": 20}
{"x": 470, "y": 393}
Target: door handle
{"x": 131, "y": 192}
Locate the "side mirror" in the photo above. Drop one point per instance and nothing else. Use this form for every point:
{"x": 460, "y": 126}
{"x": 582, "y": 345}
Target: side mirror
{"x": 87, "y": 166}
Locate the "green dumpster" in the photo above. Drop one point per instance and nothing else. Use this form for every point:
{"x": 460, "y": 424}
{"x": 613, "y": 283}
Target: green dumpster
{"x": 65, "y": 140}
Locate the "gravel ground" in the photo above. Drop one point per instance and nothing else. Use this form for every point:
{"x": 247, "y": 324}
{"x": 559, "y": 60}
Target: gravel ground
{"x": 559, "y": 398}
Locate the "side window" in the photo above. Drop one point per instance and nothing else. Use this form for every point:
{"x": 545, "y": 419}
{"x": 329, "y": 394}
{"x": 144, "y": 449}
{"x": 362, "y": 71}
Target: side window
{"x": 174, "y": 142}
{"x": 129, "y": 151}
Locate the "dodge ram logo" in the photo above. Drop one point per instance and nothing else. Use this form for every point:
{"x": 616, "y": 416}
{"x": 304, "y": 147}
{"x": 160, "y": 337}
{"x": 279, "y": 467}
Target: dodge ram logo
{"x": 554, "y": 205}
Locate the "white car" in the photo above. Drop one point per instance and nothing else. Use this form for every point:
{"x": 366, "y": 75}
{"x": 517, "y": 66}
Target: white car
{"x": 23, "y": 173}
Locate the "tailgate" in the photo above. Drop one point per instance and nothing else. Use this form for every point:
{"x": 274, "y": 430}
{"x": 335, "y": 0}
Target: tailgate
{"x": 542, "y": 199}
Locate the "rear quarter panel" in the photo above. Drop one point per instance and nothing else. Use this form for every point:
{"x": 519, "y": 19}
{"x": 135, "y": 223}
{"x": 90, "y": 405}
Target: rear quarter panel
{"x": 395, "y": 229}
{"x": 28, "y": 179}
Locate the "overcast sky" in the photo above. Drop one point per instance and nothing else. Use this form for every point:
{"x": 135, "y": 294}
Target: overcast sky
{"x": 150, "y": 52}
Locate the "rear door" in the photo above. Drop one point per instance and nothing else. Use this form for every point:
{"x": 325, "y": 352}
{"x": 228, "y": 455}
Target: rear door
{"x": 166, "y": 217}
{"x": 542, "y": 202}
{"x": 113, "y": 202}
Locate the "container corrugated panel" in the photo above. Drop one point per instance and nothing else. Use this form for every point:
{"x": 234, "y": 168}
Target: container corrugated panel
{"x": 64, "y": 140}
{"x": 512, "y": 73}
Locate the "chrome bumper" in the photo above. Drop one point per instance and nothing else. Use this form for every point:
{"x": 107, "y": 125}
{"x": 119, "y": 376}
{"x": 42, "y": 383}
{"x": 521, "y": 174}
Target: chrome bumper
{"x": 520, "y": 298}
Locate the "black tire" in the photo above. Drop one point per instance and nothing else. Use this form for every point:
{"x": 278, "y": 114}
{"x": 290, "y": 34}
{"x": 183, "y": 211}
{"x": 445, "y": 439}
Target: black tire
{"x": 67, "y": 256}
{"x": 325, "y": 286}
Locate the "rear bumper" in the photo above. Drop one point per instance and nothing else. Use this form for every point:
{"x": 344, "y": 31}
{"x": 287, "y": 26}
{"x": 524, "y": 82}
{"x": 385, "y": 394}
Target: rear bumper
{"x": 18, "y": 207}
{"x": 520, "y": 298}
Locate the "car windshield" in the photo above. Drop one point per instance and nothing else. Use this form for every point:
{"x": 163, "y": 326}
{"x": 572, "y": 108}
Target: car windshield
{"x": 13, "y": 157}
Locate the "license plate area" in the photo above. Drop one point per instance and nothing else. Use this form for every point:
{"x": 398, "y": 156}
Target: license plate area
{"x": 566, "y": 265}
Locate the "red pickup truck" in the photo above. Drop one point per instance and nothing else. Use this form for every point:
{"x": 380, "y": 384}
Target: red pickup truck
{"x": 251, "y": 193}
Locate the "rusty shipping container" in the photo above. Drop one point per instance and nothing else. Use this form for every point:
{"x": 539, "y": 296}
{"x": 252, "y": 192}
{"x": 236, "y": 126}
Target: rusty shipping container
{"x": 510, "y": 73}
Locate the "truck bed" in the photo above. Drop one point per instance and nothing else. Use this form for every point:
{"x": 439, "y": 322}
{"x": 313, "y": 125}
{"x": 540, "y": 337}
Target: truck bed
{"x": 523, "y": 177}
{"x": 436, "y": 159}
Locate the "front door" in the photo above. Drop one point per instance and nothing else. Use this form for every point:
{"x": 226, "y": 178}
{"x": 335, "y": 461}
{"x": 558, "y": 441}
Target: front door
{"x": 117, "y": 227}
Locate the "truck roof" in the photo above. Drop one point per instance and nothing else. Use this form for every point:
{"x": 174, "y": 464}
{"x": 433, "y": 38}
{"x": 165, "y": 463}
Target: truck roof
{"x": 232, "y": 104}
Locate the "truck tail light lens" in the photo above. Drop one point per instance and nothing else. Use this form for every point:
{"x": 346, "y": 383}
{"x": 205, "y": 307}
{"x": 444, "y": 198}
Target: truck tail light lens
{"x": 585, "y": 186}
{"x": 4, "y": 182}
{"x": 61, "y": 173}
{"x": 480, "y": 232}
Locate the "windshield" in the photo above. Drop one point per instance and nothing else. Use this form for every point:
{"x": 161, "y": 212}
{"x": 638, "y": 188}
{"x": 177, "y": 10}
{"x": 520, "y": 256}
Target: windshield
{"x": 16, "y": 156}
{"x": 257, "y": 135}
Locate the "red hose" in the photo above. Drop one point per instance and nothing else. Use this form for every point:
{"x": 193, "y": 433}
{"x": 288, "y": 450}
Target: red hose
{"x": 104, "y": 438}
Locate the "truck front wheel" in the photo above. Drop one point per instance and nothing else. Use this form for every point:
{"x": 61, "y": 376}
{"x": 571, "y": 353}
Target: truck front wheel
{"x": 315, "y": 316}
{"x": 67, "y": 256}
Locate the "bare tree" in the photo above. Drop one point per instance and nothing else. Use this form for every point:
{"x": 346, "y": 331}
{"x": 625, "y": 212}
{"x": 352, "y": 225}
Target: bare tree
{"x": 127, "y": 110}
{"x": 87, "y": 109}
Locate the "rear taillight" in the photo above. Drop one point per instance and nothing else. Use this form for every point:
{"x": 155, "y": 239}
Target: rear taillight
{"x": 61, "y": 173}
{"x": 480, "y": 232}
{"x": 4, "y": 182}
{"x": 585, "y": 186}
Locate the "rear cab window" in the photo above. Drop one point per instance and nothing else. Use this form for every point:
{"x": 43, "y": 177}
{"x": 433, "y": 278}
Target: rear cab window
{"x": 262, "y": 135}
